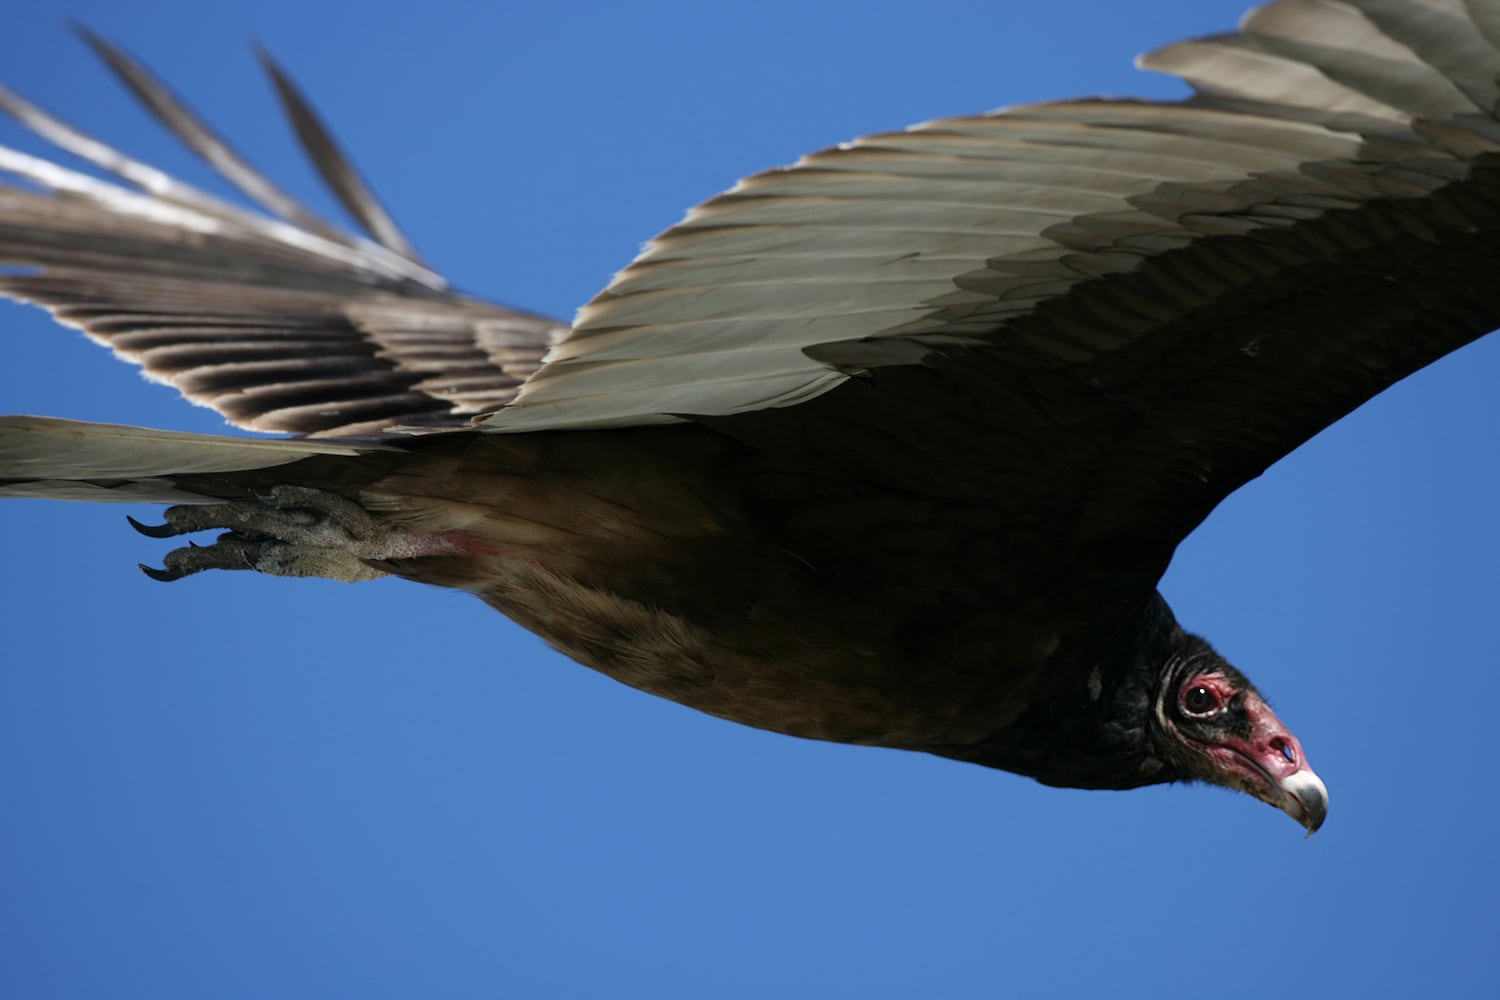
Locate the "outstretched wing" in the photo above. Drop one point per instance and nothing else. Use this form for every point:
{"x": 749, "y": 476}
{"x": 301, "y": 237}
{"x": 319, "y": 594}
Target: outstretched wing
{"x": 1111, "y": 312}
{"x": 278, "y": 319}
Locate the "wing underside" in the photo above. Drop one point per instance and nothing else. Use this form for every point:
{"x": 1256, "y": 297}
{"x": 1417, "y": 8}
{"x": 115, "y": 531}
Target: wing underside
{"x": 276, "y": 318}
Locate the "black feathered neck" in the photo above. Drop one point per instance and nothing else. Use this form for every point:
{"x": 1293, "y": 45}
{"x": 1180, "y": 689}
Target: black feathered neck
{"x": 1102, "y": 733}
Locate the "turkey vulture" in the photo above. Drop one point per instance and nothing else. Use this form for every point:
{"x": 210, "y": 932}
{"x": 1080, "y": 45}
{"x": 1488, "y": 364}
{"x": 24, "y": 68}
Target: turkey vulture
{"x": 890, "y": 447}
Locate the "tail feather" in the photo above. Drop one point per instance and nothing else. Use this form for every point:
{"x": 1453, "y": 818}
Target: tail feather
{"x": 47, "y": 458}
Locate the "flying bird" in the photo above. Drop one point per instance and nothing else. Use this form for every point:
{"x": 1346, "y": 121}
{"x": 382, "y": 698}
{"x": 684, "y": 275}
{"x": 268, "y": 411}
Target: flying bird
{"x": 888, "y": 447}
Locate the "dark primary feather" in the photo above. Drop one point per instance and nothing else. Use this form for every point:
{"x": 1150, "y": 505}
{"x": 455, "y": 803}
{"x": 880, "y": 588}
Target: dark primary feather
{"x": 202, "y": 139}
{"x": 334, "y": 167}
{"x": 281, "y": 324}
{"x": 890, "y": 446}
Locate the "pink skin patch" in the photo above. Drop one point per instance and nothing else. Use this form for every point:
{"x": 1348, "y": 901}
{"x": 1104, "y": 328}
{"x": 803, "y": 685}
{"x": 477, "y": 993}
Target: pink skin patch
{"x": 402, "y": 544}
{"x": 469, "y": 545}
{"x": 1269, "y": 759}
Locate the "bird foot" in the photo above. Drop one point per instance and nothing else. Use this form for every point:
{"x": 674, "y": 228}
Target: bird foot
{"x": 292, "y": 531}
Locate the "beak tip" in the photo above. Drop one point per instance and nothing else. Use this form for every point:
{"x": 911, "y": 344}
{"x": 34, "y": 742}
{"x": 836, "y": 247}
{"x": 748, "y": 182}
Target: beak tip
{"x": 1305, "y": 799}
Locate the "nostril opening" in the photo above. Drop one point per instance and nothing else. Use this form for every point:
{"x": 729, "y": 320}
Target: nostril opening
{"x": 1286, "y": 749}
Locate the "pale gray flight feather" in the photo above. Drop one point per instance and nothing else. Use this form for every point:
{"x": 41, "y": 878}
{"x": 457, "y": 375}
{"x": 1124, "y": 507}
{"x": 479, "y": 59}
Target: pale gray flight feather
{"x": 280, "y": 324}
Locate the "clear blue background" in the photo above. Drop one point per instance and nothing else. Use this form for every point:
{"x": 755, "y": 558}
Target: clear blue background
{"x": 242, "y": 787}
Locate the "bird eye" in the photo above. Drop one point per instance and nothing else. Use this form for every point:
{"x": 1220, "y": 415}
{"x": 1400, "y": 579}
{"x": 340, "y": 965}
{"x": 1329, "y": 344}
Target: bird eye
{"x": 1199, "y": 700}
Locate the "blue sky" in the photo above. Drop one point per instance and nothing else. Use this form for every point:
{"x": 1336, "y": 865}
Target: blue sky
{"x": 241, "y": 787}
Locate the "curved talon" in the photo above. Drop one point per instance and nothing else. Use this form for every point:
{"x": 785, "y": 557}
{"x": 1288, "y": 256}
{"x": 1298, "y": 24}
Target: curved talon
{"x": 153, "y": 530}
{"x": 161, "y": 575}
{"x": 297, "y": 531}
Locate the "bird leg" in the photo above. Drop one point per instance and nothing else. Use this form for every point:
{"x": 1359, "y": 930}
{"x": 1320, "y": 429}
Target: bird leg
{"x": 292, "y": 531}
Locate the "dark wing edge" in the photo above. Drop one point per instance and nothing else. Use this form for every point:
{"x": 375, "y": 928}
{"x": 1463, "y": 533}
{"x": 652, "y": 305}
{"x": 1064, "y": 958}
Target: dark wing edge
{"x": 276, "y": 318}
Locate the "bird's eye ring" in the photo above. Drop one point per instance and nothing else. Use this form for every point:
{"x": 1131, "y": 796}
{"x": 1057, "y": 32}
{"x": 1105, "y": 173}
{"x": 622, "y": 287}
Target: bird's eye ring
{"x": 1200, "y": 700}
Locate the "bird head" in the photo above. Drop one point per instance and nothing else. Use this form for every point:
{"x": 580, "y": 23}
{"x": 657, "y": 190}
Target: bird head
{"x": 1161, "y": 706}
{"x": 1209, "y": 723}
